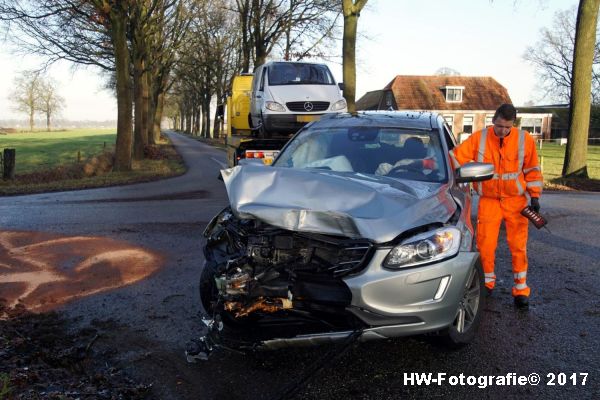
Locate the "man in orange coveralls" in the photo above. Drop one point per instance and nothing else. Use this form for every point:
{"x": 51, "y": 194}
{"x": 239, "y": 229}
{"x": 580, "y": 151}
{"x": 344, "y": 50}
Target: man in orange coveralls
{"x": 517, "y": 174}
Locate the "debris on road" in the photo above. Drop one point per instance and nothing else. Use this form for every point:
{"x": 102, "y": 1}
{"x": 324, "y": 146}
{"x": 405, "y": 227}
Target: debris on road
{"x": 41, "y": 359}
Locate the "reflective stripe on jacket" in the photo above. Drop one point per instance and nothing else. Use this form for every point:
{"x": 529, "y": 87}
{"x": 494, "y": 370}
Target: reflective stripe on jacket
{"x": 516, "y": 164}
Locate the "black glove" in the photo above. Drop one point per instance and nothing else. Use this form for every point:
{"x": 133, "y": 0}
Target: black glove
{"x": 535, "y": 204}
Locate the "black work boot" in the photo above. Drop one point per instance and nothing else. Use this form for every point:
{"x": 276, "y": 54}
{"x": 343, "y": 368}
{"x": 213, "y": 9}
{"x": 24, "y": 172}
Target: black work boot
{"x": 522, "y": 302}
{"x": 488, "y": 292}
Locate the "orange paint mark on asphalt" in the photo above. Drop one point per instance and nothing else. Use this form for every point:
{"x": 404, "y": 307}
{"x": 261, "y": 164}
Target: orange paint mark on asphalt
{"x": 43, "y": 270}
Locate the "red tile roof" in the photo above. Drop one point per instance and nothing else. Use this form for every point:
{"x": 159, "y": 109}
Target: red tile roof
{"x": 413, "y": 92}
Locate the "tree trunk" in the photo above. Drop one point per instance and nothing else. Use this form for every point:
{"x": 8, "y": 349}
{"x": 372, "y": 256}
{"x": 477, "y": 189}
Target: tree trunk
{"x": 31, "y": 111}
{"x": 118, "y": 18}
{"x": 151, "y": 107}
{"x": 182, "y": 117}
{"x": 351, "y": 14}
{"x": 188, "y": 121}
{"x": 585, "y": 40}
{"x": 216, "y": 125}
{"x": 141, "y": 110}
{"x": 48, "y": 121}
{"x": 206, "y": 116}
{"x": 245, "y": 20}
{"x": 158, "y": 113}
{"x": 201, "y": 119}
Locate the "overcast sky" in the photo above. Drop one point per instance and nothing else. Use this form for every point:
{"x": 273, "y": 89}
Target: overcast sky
{"x": 403, "y": 37}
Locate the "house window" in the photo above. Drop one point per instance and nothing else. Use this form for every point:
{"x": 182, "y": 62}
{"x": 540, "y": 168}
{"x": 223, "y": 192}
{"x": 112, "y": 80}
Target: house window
{"x": 468, "y": 124}
{"x": 532, "y": 125}
{"x": 488, "y": 120}
{"x": 454, "y": 94}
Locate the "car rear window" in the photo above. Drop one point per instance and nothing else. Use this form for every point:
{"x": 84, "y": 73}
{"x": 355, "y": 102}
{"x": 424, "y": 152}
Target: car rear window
{"x": 378, "y": 151}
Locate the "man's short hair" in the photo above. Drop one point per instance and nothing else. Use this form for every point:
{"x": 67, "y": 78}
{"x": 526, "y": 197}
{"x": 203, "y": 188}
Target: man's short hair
{"x": 507, "y": 112}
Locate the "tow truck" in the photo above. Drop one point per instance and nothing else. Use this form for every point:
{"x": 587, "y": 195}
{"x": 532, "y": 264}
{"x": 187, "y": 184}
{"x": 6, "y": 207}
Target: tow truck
{"x": 265, "y": 109}
{"x": 242, "y": 140}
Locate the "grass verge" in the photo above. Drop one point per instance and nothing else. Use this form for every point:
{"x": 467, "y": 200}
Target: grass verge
{"x": 162, "y": 162}
{"x": 552, "y": 156}
{"x": 46, "y": 150}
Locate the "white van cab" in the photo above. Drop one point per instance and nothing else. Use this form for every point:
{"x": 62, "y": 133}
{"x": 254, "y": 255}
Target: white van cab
{"x": 287, "y": 95}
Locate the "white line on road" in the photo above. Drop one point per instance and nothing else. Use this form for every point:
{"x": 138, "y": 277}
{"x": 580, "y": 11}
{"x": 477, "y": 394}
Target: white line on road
{"x": 221, "y": 163}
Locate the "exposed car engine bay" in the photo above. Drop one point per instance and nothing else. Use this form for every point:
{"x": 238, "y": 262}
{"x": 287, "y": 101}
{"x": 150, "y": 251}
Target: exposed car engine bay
{"x": 263, "y": 276}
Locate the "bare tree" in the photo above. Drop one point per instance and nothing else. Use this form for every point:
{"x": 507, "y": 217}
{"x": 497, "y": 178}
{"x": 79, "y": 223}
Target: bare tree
{"x": 88, "y": 32}
{"x": 447, "y": 71}
{"x": 351, "y": 10}
{"x": 585, "y": 42}
{"x": 50, "y": 102}
{"x": 298, "y": 27}
{"x": 552, "y": 55}
{"x": 26, "y": 94}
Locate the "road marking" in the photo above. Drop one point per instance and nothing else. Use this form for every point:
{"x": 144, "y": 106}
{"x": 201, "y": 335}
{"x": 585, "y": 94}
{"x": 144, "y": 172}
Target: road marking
{"x": 221, "y": 163}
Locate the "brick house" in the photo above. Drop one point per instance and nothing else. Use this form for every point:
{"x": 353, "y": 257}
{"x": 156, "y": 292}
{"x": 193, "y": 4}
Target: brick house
{"x": 467, "y": 103}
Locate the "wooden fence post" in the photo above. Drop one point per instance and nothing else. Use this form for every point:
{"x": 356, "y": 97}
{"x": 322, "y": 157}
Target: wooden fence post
{"x": 9, "y": 164}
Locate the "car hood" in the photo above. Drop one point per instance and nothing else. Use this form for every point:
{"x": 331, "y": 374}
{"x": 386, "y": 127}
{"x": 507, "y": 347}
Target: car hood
{"x": 347, "y": 204}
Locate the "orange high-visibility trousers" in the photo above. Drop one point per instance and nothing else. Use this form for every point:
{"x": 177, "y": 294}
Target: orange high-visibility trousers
{"x": 491, "y": 213}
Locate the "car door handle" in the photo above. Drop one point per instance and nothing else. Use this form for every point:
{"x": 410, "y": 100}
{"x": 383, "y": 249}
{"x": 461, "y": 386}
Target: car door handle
{"x": 258, "y": 96}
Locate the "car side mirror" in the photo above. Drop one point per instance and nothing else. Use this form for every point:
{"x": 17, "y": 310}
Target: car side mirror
{"x": 341, "y": 85}
{"x": 474, "y": 172}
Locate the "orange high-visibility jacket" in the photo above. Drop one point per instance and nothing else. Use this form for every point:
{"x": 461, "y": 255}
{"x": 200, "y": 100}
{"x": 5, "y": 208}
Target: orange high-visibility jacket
{"x": 516, "y": 166}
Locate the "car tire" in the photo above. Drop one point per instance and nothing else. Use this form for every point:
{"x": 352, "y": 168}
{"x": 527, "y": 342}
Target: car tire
{"x": 468, "y": 316}
{"x": 208, "y": 289}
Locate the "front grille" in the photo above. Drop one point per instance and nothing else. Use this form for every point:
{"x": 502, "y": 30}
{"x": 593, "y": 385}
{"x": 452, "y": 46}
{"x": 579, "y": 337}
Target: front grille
{"x": 337, "y": 256}
{"x": 305, "y": 106}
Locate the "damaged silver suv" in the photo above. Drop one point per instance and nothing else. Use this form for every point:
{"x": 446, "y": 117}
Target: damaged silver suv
{"x": 360, "y": 229}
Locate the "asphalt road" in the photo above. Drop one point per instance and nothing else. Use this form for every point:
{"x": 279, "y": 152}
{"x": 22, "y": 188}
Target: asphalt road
{"x": 145, "y": 325}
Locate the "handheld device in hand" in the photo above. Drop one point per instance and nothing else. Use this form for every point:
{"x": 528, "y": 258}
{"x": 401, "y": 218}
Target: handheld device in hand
{"x": 536, "y": 218}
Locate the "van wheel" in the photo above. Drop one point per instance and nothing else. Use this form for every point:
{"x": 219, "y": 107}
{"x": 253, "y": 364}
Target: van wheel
{"x": 468, "y": 316}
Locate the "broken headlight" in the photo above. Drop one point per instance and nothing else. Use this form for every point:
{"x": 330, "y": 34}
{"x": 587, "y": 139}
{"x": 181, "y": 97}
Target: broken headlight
{"x": 424, "y": 248}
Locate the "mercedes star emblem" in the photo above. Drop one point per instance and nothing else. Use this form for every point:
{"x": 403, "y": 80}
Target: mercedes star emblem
{"x": 308, "y": 106}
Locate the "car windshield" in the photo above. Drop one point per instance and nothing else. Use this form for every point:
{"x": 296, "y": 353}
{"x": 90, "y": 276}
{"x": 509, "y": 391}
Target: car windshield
{"x": 378, "y": 151}
{"x": 299, "y": 74}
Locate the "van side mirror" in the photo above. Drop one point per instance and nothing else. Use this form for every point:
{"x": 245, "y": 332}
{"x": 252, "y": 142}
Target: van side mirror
{"x": 474, "y": 172}
{"x": 341, "y": 85}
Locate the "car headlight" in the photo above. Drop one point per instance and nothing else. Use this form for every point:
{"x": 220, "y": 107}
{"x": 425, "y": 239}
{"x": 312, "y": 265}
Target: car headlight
{"x": 339, "y": 105}
{"x": 274, "y": 106}
{"x": 424, "y": 248}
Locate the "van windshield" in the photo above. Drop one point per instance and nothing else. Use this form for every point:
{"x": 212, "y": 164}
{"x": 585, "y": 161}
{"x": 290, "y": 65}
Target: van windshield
{"x": 299, "y": 74}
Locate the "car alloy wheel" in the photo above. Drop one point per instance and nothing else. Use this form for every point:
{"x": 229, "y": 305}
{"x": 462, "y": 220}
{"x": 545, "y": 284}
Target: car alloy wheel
{"x": 468, "y": 316}
{"x": 469, "y": 304}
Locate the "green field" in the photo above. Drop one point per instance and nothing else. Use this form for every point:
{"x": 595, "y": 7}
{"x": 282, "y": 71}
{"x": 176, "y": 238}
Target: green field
{"x": 552, "y": 157}
{"x": 40, "y": 150}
